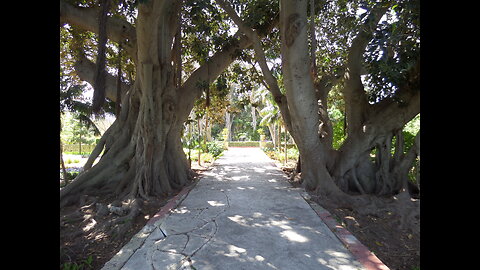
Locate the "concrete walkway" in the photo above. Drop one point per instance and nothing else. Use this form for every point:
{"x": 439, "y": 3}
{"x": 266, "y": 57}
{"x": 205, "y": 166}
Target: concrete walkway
{"x": 241, "y": 215}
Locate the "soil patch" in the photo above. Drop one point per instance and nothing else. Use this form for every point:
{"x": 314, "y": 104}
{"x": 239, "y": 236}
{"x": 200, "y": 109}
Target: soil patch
{"x": 396, "y": 248}
{"x": 86, "y": 236}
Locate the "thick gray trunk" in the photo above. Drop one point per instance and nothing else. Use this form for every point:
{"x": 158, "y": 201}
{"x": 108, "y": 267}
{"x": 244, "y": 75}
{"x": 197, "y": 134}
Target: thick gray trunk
{"x": 143, "y": 155}
{"x": 301, "y": 97}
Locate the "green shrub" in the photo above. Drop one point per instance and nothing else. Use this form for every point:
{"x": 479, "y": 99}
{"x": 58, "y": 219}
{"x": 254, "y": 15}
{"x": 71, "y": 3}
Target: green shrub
{"x": 215, "y": 148}
{"x": 72, "y": 175}
{"x": 69, "y": 160}
{"x": 225, "y": 134}
{"x": 207, "y": 157}
{"x": 268, "y": 146}
{"x": 85, "y": 264}
{"x": 204, "y": 157}
{"x": 292, "y": 154}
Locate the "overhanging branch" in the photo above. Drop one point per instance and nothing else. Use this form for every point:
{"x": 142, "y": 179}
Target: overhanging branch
{"x": 118, "y": 30}
{"x": 85, "y": 69}
{"x": 356, "y": 102}
{"x": 280, "y": 99}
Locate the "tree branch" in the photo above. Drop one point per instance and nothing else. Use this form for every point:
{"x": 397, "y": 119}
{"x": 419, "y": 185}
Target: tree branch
{"x": 257, "y": 46}
{"x": 356, "y": 102}
{"x": 118, "y": 30}
{"x": 216, "y": 64}
{"x": 280, "y": 99}
{"x": 360, "y": 42}
{"x": 85, "y": 69}
{"x": 403, "y": 106}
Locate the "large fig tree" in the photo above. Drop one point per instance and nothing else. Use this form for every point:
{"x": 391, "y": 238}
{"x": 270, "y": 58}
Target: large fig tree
{"x": 370, "y": 51}
{"x": 142, "y": 150}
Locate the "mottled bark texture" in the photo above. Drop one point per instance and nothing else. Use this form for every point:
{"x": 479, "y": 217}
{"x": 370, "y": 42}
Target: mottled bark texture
{"x": 142, "y": 150}
{"x": 346, "y": 177}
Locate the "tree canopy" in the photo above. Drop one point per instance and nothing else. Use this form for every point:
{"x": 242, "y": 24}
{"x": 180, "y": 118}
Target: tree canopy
{"x": 343, "y": 77}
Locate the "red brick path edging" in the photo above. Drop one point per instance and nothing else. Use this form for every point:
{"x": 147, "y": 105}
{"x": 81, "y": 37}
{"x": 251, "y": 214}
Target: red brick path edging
{"x": 359, "y": 251}
{"x": 172, "y": 203}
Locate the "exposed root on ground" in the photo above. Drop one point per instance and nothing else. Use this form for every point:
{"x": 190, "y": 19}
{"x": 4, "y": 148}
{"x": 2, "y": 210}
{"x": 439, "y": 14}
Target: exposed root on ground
{"x": 404, "y": 210}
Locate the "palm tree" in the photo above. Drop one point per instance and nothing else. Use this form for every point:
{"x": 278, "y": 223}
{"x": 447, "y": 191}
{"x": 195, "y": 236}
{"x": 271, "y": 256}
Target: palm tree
{"x": 270, "y": 114}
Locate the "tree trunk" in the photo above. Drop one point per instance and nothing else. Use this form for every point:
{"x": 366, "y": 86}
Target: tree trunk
{"x": 277, "y": 135}
{"x": 331, "y": 173}
{"x": 143, "y": 151}
{"x": 334, "y": 174}
{"x": 271, "y": 129}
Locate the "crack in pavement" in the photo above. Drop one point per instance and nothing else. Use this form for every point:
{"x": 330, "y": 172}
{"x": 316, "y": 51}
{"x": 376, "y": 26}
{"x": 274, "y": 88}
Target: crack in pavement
{"x": 255, "y": 218}
{"x": 206, "y": 231}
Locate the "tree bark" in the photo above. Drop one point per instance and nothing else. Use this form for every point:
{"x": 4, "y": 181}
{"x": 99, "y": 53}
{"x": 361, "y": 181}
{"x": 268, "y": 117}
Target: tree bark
{"x": 143, "y": 153}
{"x": 338, "y": 175}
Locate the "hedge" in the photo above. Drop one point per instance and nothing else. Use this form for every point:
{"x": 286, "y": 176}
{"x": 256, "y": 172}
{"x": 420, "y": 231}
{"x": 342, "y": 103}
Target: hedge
{"x": 76, "y": 148}
{"x": 244, "y": 144}
{"x": 266, "y": 144}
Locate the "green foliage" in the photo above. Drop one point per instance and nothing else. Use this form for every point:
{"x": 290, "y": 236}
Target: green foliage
{"x": 242, "y": 124}
{"x": 336, "y": 113}
{"x": 76, "y": 131}
{"x": 71, "y": 175}
{"x": 75, "y": 44}
{"x": 69, "y": 161}
{"x": 410, "y": 131}
{"x": 204, "y": 157}
{"x": 83, "y": 153}
{"x": 190, "y": 141}
{"x": 257, "y": 13}
{"x": 292, "y": 154}
{"x": 338, "y": 122}
{"x": 336, "y": 27}
{"x": 205, "y": 30}
{"x": 225, "y": 134}
{"x": 394, "y": 49}
{"x": 268, "y": 146}
{"x": 215, "y": 148}
{"x": 413, "y": 126}
{"x": 84, "y": 265}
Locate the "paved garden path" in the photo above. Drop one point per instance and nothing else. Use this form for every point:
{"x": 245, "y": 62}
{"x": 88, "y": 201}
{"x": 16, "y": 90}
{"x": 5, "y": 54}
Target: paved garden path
{"x": 241, "y": 215}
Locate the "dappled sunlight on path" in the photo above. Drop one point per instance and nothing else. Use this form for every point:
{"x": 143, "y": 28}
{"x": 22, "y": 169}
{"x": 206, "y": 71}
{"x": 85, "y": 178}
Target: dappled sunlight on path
{"x": 242, "y": 215}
